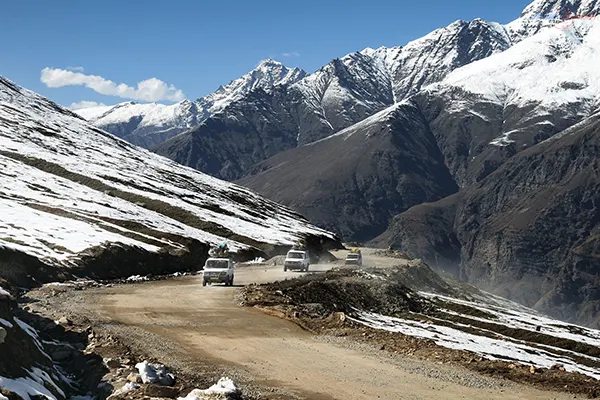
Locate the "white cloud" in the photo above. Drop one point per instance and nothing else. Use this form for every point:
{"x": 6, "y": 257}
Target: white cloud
{"x": 291, "y": 54}
{"x": 85, "y": 104}
{"x": 75, "y": 69}
{"x": 152, "y": 89}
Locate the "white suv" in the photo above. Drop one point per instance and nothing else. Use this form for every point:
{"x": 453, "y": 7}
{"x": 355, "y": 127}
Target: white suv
{"x": 218, "y": 270}
{"x": 296, "y": 259}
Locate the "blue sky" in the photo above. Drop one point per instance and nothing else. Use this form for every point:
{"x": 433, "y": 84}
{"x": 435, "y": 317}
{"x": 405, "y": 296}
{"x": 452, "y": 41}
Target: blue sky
{"x": 195, "y": 46}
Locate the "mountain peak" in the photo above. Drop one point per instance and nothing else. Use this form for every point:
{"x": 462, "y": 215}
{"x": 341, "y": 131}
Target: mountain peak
{"x": 269, "y": 62}
{"x": 561, "y": 8}
{"x": 541, "y": 14}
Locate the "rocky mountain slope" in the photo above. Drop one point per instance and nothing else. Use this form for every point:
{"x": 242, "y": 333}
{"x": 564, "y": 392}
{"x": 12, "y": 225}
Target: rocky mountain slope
{"x": 477, "y": 118}
{"x": 529, "y": 231}
{"x": 480, "y": 115}
{"x": 74, "y": 199}
{"x": 148, "y": 125}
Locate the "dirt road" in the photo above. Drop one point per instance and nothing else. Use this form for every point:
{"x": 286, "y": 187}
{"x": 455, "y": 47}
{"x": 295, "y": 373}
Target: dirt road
{"x": 210, "y": 326}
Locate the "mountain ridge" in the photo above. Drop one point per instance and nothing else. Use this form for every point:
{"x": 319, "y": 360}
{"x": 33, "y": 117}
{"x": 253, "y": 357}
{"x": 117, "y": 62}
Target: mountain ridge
{"x": 149, "y": 124}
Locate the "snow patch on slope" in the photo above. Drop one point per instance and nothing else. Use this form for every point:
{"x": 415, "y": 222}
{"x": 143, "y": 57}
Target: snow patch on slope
{"x": 493, "y": 349}
{"x": 491, "y": 344}
{"x": 4, "y": 293}
{"x": 28, "y": 387}
{"x": 554, "y": 67}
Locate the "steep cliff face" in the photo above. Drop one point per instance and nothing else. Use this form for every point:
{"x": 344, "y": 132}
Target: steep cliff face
{"x": 529, "y": 231}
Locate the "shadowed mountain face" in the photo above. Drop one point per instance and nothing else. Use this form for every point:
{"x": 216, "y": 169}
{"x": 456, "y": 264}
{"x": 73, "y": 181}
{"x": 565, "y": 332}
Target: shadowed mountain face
{"x": 356, "y": 180}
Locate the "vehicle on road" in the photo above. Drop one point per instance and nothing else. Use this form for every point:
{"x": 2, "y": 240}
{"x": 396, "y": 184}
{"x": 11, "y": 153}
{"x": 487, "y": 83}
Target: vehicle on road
{"x": 296, "y": 259}
{"x": 354, "y": 257}
{"x": 218, "y": 270}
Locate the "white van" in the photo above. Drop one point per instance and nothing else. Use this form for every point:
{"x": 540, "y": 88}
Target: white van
{"x": 218, "y": 270}
{"x": 297, "y": 259}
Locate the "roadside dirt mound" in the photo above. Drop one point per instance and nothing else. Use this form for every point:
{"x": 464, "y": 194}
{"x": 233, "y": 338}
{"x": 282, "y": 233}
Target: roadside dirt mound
{"x": 338, "y": 290}
{"x": 392, "y": 254}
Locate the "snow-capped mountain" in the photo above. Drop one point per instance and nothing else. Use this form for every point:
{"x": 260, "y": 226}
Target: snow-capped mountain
{"x": 145, "y": 124}
{"x": 69, "y": 188}
{"x": 511, "y": 101}
{"x": 267, "y": 75}
{"x": 148, "y": 125}
{"x": 342, "y": 93}
{"x": 349, "y": 89}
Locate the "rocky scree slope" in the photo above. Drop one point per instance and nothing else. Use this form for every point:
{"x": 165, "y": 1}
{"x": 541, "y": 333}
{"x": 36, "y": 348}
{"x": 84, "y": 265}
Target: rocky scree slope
{"x": 77, "y": 200}
{"x": 148, "y": 125}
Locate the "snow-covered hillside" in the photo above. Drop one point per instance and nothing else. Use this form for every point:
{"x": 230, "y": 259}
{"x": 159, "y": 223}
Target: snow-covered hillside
{"x": 543, "y": 14}
{"x": 150, "y": 124}
{"x": 498, "y": 329}
{"x": 66, "y": 186}
{"x": 553, "y": 72}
